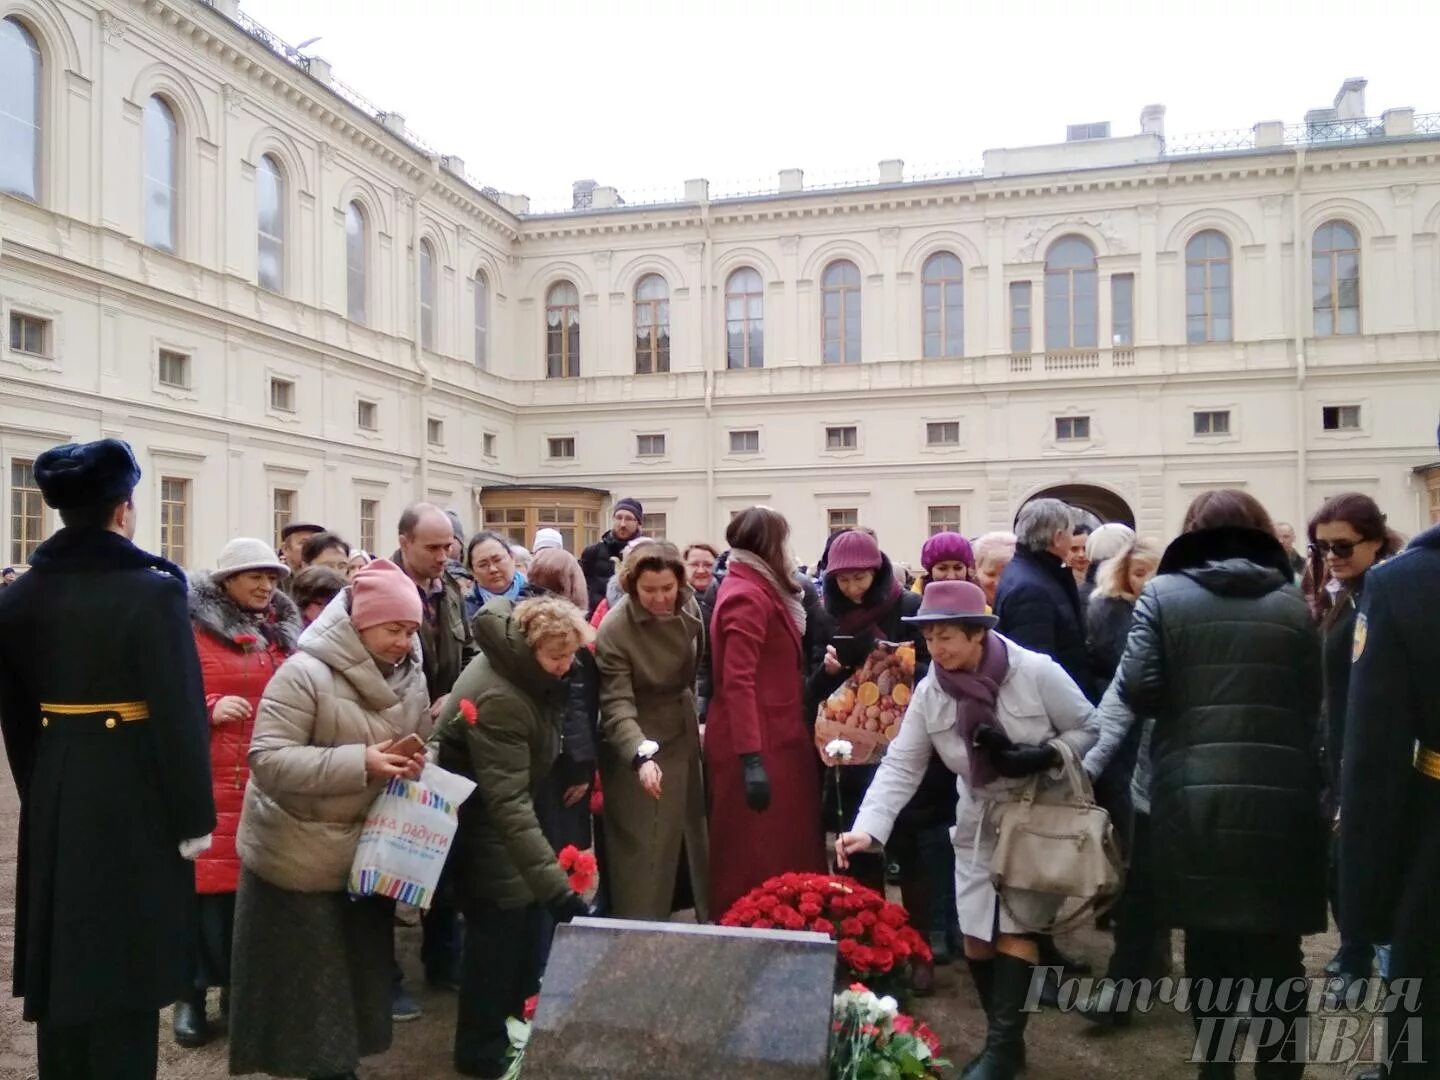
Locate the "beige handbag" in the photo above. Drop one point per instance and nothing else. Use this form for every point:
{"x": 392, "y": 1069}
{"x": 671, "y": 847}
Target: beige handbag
{"x": 1059, "y": 843}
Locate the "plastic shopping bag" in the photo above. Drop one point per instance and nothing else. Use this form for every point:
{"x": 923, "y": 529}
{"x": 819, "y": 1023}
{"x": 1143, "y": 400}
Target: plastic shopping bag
{"x": 407, "y": 835}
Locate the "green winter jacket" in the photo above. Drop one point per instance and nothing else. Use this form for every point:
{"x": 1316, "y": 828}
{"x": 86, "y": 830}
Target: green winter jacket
{"x": 500, "y": 854}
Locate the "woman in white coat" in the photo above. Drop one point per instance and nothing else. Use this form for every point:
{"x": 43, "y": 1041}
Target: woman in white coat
{"x": 992, "y": 711}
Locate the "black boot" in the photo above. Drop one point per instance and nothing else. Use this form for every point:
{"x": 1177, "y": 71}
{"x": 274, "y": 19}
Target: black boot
{"x": 1004, "y": 1054}
{"x": 191, "y": 1030}
{"x": 1107, "y": 1006}
{"x": 983, "y": 974}
{"x": 1051, "y": 956}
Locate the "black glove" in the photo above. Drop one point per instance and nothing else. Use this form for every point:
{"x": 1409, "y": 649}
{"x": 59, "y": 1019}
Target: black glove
{"x": 570, "y": 905}
{"x": 1013, "y": 759}
{"x": 757, "y": 783}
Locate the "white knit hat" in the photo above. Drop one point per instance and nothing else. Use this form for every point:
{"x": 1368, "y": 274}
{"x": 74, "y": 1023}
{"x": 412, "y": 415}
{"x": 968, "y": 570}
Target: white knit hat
{"x": 244, "y": 553}
{"x": 548, "y": 538}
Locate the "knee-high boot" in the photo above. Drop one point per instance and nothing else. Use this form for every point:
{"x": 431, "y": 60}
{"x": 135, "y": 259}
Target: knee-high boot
{"x": 1004, "y": 1054}
{"x": 983, "y": 974}
{"x": 915, "y": 895}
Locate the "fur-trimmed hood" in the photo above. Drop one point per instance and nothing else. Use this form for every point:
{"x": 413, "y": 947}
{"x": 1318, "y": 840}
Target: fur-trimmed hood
{"x": 212, "y": 610}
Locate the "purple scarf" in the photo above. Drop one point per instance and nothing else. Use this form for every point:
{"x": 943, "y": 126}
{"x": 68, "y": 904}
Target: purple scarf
{"x": 975, "y": 694}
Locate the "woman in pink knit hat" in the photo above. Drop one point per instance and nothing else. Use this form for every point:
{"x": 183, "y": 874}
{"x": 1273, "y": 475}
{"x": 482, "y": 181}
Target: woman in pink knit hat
{"x": 312, "y": 968}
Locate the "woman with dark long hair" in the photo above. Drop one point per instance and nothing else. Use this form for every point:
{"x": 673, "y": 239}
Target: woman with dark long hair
{"x": 760, "y": 761}
{"x": 1348, "y": 536}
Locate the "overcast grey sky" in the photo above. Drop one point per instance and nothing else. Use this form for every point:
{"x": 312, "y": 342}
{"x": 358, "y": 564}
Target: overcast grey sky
{"x": 643, "y": 94}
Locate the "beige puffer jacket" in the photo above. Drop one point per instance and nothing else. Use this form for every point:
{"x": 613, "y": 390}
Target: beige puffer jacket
{"x": 308, "y": 793}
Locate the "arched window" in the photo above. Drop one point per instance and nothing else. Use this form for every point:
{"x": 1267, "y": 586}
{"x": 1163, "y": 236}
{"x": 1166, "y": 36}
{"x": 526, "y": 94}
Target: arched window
{"x": 840, "y": 313}
{"x": 943, "y": 305}
{"x": 1335, "y": 277}
{"x": 20, "y": 97}
{"x": 562, "y": 331}
{"x": 652, "y": 325}
{"x": 356, "y": 264}
{"x": 744, "y": 320}
{"x": 427, "y": 296}
{"x": 482, "y": 321}
{"x": 1208, "y": 312}
{"x": 270, "y": 216}
{"x": 1071, "y": 309}
{"x": 162, "y": 140}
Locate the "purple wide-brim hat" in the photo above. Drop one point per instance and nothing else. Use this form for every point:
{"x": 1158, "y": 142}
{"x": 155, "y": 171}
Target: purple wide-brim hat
{"x": 953, "y": 601}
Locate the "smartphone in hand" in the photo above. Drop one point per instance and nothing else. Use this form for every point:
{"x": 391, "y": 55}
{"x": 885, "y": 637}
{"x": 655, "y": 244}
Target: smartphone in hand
{"x": 409, "y": 746}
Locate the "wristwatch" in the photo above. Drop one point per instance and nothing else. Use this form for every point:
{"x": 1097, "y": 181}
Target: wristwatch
{"x": 648, "y": 749}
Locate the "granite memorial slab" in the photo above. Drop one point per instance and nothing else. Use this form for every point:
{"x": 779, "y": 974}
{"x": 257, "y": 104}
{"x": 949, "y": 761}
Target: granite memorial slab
{"x": 657, "y": 1001}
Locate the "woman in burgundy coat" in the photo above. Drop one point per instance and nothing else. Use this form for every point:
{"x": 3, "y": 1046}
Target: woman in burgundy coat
{"x": 245, "y": 627}
{"x": 760, "y": 757}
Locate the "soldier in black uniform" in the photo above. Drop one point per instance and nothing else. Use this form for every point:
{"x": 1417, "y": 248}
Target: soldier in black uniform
{"x": 103, "y": 717}
{"x": 1390, "y": 795}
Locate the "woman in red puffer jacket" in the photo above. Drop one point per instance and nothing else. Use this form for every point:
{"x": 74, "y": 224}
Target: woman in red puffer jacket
{"x": 245, "y": 627}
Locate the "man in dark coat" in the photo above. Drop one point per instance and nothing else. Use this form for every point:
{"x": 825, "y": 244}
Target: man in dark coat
{"x": 1038, "y": 602}
{"x": 599, "y": 559}
{"x": 1390, "y": 793}
{"x": 103, "y": 714}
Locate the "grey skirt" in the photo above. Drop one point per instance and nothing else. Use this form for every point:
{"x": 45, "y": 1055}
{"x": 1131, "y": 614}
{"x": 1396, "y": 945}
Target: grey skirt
{"x": 311, "y": 978}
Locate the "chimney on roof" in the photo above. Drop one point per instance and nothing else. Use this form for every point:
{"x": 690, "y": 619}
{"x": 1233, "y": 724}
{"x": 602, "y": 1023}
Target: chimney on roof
{"x": 393, "y": 122}
{"x": 582, "y": 194}
{"x": 1152, "y": 120}
{"x": 1350, "y": 101}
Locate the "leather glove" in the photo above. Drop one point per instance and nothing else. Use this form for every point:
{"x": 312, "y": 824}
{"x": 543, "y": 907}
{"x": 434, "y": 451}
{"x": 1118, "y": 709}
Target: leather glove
{"x": 1012, "y": 759}
{"x": 757, "y": 783}
{"x": 570, "y": 905}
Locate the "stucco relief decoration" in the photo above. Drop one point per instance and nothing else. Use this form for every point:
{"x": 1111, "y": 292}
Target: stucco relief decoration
{"x": 235, "y": 101}
{"x": 1271, "y": 205}
{"x": 327, "y": 154}
{"x": 601, "y": 259}
{"x": 405, "y": 200}
{"x": 1104, "y": 224}
{"x": 113, "y": 28}
{"x": 1403, "y": 194}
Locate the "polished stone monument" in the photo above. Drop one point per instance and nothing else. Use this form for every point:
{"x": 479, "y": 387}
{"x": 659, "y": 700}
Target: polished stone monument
{"x": 657, "y": 1001}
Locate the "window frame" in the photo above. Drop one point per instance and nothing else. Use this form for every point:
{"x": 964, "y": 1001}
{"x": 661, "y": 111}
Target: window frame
{"x": 1339, "y": 412}
{"x": 269, "y": 170}
{"x": 1208, "y": 291}
{"x": 429, "y": 304}
{"x": 944, "y": 526}
{"x": 35, "y": 123}
{"x": 640, "y": 444}
{"x": 748, "y": 324}
{"x": 654, "y": 358}
{"x": 282, "y": 516}
{"x": 842, "y": 291}
{"x": 1055, "y": 274}
{"x": 168, "y": 524}
{"x": 279, "y": 381}
{"x": 357, "y": 264}
{"x": 489, "y": 444}
{"x": 184, "y": 359}
{"x": 367, "y": 408}
{"x": 1332, "y": 257}
{"x": 565, "y": 442}
{"x": 840, "y": 430}
{"x": 1122, "y": 285}
{"x": 655, "y": 525}
{"x": 564, "y": 364}
{"x": 943, "y": 309}
{"x": 1211, "y": 431}
{"x": 152, "y": 184}
{"x": 480, "y": 286}
{"x": 832, "y": 526}
{"x": 27, "y": 505}
{"x": 45, "y": 328}
{"x": 435, "y": 431}
{"x": 744, "y": 431}
{"x": 1075, "y": 420}
{"x": 943, "y": 443}
{"x": 1015, "y": 292}
{"x": 369, "y": 523}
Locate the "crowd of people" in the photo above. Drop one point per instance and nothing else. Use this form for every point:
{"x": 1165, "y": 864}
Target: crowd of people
{"x": 658, "y": 704}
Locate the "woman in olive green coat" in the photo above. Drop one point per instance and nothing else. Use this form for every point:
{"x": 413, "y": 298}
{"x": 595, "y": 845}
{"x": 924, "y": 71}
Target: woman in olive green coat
{"x": 647, "y": 652}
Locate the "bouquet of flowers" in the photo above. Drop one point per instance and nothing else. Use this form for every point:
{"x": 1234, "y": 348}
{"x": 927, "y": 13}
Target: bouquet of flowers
{"x": 518, "y": 1030}
{"x": 872, "y": 1039}
{"x": 875, "y": 938}
{"x": 580, "y": 867}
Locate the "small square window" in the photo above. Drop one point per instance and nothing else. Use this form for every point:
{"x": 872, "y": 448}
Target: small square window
{"x": 562, "y": 449}
{"x": 1341, "y": 418}
{"x": 489, "y": 444}
{"x": 744, "y": 442}
{"x": 1213, "y": 422}
{"x": 840, "y": 520}
{"x": 29, "y": 334}
{"x": 174, "y": 369}
{"x": 435, "y": 432}
{"x": 367, "y": 416}
{"x": 841, "y": 438}
{"x": 650, "y": 445}
{"x": 1072, "y": 428}
{"x": 944, "y": 519}
{"x": 653, "y": 526}
{"x": 282, "y": 395}
{"x": 945, "y": 433}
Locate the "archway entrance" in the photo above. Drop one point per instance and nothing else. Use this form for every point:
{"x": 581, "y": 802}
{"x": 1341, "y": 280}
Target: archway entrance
{"x": 1103, "y": 504}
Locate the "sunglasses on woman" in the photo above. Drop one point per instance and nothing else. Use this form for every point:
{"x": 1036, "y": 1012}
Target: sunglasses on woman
{"x": 1342, "y": 549}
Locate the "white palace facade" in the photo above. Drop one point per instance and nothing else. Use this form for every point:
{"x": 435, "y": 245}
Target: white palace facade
{"x": 296, "y": 310}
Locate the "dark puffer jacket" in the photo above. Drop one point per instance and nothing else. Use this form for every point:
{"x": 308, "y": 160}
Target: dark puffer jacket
{"x": 1223, "y": 654}
{"x": 1038, "y": 605}
{"x": 598, "y": 562}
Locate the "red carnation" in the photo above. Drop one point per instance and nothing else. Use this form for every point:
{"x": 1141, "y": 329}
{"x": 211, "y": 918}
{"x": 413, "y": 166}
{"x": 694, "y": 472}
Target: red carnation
{"x": 852, "y": 928}
{"x": 928, "y": 1037}
{"x": 763, "y": 924}
{"x": 810, "y": 911}
{"x": 766, "y": 903}
{"x": 579, "y": 866}
{"x": 883, "y": 936}
{"x": 246, "y": 641}
{"x": 597, "y": 797}
{"x": 863, "y": 959}
{"x": 883, "y": 959}
{"x": 823, "y": 926}
{"x": 531, "y": 1004}
{"x": 469, "y": 712}
{"x": 894, "y": 915}
{"x": 903, "y": 1024}
{"x": 848, "y": 947}
{"x": 867, "y": 919}
{"x": 790, "y": 881}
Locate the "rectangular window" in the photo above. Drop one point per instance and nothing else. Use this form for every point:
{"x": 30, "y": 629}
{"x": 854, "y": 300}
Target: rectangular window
{"x": 1341, "y": 418}
{"x": 27, "y": 512}
{"x": 840, "y": 520}
{"x": 650, "y": 445}
{"x": 1072, "y": 428}
{"x": 944, "y": 519}
{"x": 369, "y": 516}
{"x": 944, "y": 433}
{"x": 1081, "y": 132}
{"x": 435, "y": 432}
{"x": 1020, "y": 323}
{"x": 744, "y": 442}
{"x": 841, "y": 438}
{"x": 1213, "y": 422}
{"x": 1122, "y": 310}
{"x": 29, "y": 334}
{"x": 282, "y": 503}
{"x": 509, "y": 522}
{"x": 174, "y": 520}
{"x": 282, "y": 395}
{"x": 174, "y": 371}
{"x": 367, "y": 416}
{"x": 653, "y": 526}
{"x": 562, "y": 449}
{"x": 489, "y": 444}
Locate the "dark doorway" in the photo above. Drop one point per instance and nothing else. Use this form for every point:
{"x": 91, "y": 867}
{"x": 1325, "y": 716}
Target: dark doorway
{"x": 1104, "y": 504}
